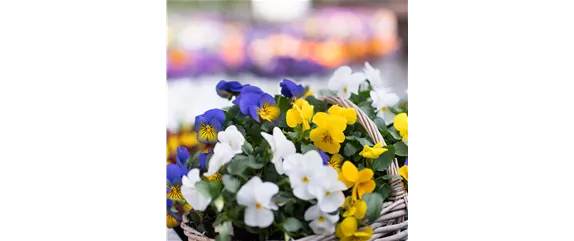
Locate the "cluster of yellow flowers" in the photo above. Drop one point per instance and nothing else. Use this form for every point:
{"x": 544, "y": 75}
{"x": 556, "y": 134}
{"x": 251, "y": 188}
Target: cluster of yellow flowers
{"x": 328, "y": 136}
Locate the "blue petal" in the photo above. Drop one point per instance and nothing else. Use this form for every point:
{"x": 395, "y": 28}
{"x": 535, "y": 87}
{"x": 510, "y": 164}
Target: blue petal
{"x": 221, "y": 89}
{"x": 216, "y": 125}
{"x": 168, "y": 189}
{"x": 253, "y": 113}
{"x": 251, "y": 89}
{"x": 173, "y": 172}
{"x": 266, "y": 98}
{"x": 248, "y": 101}
{"x": 286, "y": 88}
{"x": 199, "y": 121}
{"x": 202, "y": 161}
{"x": 214, "y": 114}
{"x": 182, "y": 155}
{"x": 169, "y": 203}
{"x": 234, "y": 86}
{"x": 324, "y": 157}
{"x": 407, "y": 162}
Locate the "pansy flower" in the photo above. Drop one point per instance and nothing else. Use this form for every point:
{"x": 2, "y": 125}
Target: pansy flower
{"x": 334, "y": 161}
{"x": 348, "y": 230}
{"x": 258, "y": 104}
{"x": 174, "y": 174}
{"x": 173, "y": 219}
{"x": 226, "y": 89}
{"x": 401, "y": 124}
{"x": 291, "y": 90}
{"x": 328, "y": 135}
{"x": 404, "y": 170}
{"x": 361, "y": 181}
{"x": 208, "y": 125}
{"x": 300, "y": 113}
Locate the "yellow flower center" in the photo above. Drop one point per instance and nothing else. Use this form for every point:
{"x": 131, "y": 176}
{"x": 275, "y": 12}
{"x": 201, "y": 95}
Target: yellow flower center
{"x": 345, "y": 90}
{"x": 174, "y": 192}
{"x": 305, "y": 179}
{"x": 321, "y": 219}
{"x": 207, "y": 132}
{"x": 327, "y": 193}
{"x": 268, "y": 112}
{"x": 258, "y": 206}
{"x": 384, "y": 109}
{"x": 327, "y": 138}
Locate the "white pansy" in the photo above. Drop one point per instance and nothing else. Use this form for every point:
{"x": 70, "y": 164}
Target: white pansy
{"x": 329, "y": 191}
{"x": 233, "y": 138}
{"x": 374, "y": 77}
{"x": 191, "y": 194}
{"x": 382, "y": 100}
{"x": 344, "y": 82}
{"x": 256, "y": 196}
{"x": 224, "y": 228}
{"x": 302, "y": 172}
{"x": 222, "y": 154}
{"x": 280, "y": 146}
{"x": 321, "y": 222}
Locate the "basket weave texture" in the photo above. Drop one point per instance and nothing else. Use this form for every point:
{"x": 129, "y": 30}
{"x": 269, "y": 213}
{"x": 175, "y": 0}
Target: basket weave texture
{"x": 392, "y": 223}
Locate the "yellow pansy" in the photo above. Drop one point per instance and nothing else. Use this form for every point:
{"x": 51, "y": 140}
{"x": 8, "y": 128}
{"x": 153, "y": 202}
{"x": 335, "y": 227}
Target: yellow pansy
{"x": 308, "y": 93}
{"x": 300, "y": 113}
{"x": 373, "y": 152}
{"x": 401, "y": 124}
{"x": 355, "y": 208}
{"x": 335, "y": 161}
{"x": 171, "y": 221}
{"x": 347, "y": 230}
{"x": 361, "y": 181}
{"x": 328, "y": 135}
{"x": 348, "y": 113}
{"x": 404, "y": 172}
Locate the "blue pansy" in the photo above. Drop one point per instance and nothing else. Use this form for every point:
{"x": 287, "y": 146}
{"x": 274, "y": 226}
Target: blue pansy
{"x": 182, "y": 155}
{"x": 208, "y": 125}
{"x": 227, "y": 89}
{"x": 291, "y": 90}
{"x": 258, "y": 104}
{"x": 174, "y": 174}
{"x": 203, "y": 159}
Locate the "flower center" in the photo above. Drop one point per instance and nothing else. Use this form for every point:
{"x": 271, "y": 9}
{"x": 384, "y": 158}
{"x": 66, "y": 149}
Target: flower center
{"x": 327, "y": 138}
{"x": 268, "y": 112}
{"x": 384, "y": 109}
{"x": 305, "y": 179}
{"x": 345, "y": 90}
{"x": 327, "y": 193}
{"x": 321, "y": 219}
{"x": 207, "y": 132}
{"x": 258, "y": 206}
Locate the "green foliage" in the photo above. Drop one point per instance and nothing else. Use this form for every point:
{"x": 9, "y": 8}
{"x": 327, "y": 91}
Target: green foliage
{"x": 401, "y": 149}
{"x": 382, "y": 163}
{"x": 292, "y": 225}
{"x": 230, "y": 183}
{"x": 374, "y": 205}
{"x": 351, "y": 148}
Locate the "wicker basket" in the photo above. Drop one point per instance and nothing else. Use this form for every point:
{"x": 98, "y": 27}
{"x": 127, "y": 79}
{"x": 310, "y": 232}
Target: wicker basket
{"x": 392, "y": 224}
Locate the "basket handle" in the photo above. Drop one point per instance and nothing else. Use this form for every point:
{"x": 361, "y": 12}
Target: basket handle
{"x": 397, "y": 187}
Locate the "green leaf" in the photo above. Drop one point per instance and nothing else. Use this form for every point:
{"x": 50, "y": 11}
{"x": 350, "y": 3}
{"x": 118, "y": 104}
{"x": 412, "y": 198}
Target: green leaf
{"x": 267, "y": 126}
{"x": 326, "y": 92}
{"x": 389, "y": 176}
{"x": 214, "y": 188}
{"x": 292, "y": 135}
{"x": 401, "y": 149}
{"x": 308, "y": 147}
{"x": 221, "y": 237}
{"x": 252, "y": 163}
{"x": 230, "y": 183}
{"x": 368, "y": 109}
{"x": 380, "y": 122}
{"x": 203, "y": 188}
{"x": 238, "y": 165}
{"x": 240, "y": 129}
{"x": 292, "y": 225}
{"x": 364, "y": 141}
{"x": 384, "y": 189}
{"x": 283, "y": 103}
{"x": 247, "y": 148}
{"x": 382, "y": 163}
{"x": 350, "y": 149}
{"x": 374, "y": 205}
{"x": 395, "y": 133}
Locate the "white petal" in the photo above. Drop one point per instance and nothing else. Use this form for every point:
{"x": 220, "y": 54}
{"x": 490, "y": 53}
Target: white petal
{"x": 332, "y": 202}
{"x": 388, "y": 116}
{"x": 278, "y": 162}
{"x": 195, "y": 198}
{"x": 222, "y": 154}
{"x": 302, "y": 193}
{"x": 265, "y": 191}
{"x": 270, "y": 140}
{"x": 332, "y": 218}
{"x": 258, "y": 217}
{"x": 312, "y": 160}
{"x": 322, "y": 227}
{"x": 342, "y": 72}
{"x": 246, "y": 194}
{"x": 191, "y": 178}
{"x": 284, "y": 147}
{"x": 292, "y": 162}
{"x": 312, "y": 213}
{"x": 355, "y": 81}
{"x": 391, "y": 99}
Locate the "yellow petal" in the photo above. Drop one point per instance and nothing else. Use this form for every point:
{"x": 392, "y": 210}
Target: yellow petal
{"x": 293, "y": 118}
{"x": 321, "y": 119}
{"x": 350, "y": 171}
{"x": 338, "y": 136}
{"x": 351, "y": 115}
{"x": 306, "y": 110}
{"x": 365, "y": 175}
{"x": 348, "y": 226}
{"x": 189, "y": 139}
{"x": 361, "y": 207}
{"x": 350, "y": 211}
{"x": 401, "y": 122}
{"x": 364, "y": 234}
{"x": 330, "y": 148}
{"x": 171, "y": 221}
{"x": 366, "y": 187}
{"x": 338, "y": 232}
{"x": 378, "y": 145}
{"x": 404, "y": 172}
{"x": 337, "y": 123}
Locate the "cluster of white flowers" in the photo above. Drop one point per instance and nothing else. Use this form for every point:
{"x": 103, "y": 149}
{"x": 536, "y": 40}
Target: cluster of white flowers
{"x": 344, "y": 82}
{"x": 230, "y": 143}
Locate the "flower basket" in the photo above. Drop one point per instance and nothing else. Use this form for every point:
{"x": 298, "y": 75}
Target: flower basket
{"x": 288, "y": 167}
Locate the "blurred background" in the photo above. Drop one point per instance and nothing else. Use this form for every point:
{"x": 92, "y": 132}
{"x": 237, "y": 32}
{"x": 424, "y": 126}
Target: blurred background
{"x": 263, "y": 42}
